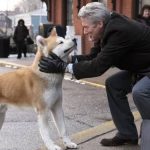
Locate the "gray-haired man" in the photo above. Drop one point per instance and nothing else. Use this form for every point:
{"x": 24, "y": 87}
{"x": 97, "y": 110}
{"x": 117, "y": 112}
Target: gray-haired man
{"x": 121, "y": 42}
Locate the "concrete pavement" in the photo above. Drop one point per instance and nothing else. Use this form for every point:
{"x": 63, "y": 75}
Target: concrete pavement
{"x": 87, "y": 139}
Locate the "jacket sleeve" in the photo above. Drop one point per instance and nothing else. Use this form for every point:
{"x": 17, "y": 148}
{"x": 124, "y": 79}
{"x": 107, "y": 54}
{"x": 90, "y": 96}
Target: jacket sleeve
{"x": 115, "y": 47}
{"x": 93, "y": 53}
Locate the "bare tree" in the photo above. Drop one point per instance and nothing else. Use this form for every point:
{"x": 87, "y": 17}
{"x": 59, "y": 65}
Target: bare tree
{"x": 27, "y": 5}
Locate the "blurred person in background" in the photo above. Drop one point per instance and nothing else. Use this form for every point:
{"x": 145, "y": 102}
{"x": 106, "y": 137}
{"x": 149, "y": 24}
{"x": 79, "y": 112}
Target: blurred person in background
{"x": 144, "y": 17}
{"x": 20, "y": 35}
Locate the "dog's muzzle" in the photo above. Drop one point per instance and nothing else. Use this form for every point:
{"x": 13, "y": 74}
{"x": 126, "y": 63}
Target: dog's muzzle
{"x": 74, "y": 47}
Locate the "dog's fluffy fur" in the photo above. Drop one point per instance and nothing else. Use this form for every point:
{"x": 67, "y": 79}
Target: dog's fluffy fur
{"x": 42, "y": 91}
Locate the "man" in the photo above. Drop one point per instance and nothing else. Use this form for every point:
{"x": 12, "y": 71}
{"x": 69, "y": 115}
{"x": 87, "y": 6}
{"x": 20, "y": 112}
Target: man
{"x": 119, "y": 42}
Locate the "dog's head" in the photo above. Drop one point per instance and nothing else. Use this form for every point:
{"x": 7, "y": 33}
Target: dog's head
{"x": 55, "y": 44}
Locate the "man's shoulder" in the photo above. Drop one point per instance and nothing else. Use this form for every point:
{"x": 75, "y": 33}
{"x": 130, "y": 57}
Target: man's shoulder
{"x": 115, "y": 15}
{"x": 116, "y": 23}
{"x": 120, "y": 22}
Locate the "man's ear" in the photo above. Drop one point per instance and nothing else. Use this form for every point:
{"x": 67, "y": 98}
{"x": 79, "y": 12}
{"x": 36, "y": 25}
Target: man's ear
{"x": 40, "y": 41}
{"x": 101, "y": 24}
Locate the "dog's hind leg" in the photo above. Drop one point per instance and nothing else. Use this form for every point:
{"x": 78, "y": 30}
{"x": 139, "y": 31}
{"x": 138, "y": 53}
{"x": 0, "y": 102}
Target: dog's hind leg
{"x": 45, "y": 131}
{"x": 58, "y": 116}
{"x": 3, "y": 109}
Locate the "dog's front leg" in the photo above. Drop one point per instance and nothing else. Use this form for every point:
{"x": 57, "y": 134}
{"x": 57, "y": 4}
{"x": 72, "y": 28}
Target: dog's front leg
{"x": 45, "y": 131}
{"x": 3, "y": 109}
{"x": 58, "y": 116}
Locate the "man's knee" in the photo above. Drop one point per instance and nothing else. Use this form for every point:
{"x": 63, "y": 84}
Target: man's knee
{"x": 136, "y": 91}
{"x": 109, "y": 82}
{"x": 138, "y": 95}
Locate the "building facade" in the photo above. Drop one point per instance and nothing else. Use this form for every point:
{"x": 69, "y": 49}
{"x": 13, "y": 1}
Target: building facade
{"x": 32, "y": 20}
{"x": 64, "y": 12}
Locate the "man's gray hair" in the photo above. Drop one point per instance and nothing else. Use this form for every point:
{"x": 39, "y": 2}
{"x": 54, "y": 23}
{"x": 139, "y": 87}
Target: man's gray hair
{"x": 94, "y": 12}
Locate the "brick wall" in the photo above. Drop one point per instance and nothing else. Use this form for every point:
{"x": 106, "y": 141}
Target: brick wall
{"x": 58, "y": 16}
{"x": 78, "y": 27}
{"x": 122, "y": 6}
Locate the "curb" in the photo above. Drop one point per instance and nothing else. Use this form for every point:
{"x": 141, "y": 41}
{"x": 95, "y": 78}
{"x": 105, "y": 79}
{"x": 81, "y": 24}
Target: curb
{"x": 104, "y": 128}
{"x": 11, "y": 65}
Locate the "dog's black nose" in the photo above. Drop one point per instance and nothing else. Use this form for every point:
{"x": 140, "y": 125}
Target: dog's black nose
{"x": 75, "y": 41}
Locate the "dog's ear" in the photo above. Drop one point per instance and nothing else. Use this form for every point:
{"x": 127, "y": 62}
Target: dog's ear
{"x": 53, "y": 32}
{"x": 40, "y": 41}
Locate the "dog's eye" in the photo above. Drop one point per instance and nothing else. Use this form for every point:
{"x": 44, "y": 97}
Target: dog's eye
{"x": 66, "y": 50}
{"x": 61, "y": 42}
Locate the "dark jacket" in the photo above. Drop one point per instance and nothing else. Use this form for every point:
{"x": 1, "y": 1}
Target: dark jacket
{"x": 20, "y": 34}
{"x": 125, "y": 44}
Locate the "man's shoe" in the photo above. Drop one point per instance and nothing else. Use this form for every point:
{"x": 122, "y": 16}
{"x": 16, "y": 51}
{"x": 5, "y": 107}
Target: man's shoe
{"x": 116, "y": 141}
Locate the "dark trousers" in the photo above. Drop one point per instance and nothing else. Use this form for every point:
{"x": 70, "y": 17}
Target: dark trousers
{"x": 117, "y": 88}
{"x": 21, "y": 48}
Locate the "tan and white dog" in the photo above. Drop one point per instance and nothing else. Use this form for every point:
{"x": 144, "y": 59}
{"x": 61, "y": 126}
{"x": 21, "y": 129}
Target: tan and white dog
{"x": 42, "y": 91}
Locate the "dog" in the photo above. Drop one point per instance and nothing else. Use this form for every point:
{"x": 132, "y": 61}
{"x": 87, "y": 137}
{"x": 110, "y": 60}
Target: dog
{"x": 42, "y": 91}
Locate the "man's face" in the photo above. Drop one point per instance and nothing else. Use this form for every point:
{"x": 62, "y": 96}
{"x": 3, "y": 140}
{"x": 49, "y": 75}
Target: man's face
{"x": 21, "y": 23}
{"x": 92, "y": 30}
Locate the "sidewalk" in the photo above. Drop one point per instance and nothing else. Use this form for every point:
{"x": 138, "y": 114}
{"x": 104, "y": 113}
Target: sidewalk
{"x": 87, "y": 139}
{"x": 94, "y": 144}
{"x": 90, "y": 139}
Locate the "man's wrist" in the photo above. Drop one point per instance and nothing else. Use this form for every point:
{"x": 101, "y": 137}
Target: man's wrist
{"x": 69, "y": 68}
{"x": 74, "y": 59}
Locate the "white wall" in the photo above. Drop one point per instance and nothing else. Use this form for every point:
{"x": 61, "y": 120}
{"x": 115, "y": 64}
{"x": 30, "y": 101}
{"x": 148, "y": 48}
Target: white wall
{"x": 25, "y": 17}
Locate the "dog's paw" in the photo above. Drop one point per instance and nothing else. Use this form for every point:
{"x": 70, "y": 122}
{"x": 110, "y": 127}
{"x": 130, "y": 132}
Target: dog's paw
{"x": 55, "y": 147}
{"x": 69, "y": 144}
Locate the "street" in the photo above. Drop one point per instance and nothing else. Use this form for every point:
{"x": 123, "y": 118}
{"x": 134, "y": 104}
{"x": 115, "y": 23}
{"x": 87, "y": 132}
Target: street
{"x": 85, "y": 106}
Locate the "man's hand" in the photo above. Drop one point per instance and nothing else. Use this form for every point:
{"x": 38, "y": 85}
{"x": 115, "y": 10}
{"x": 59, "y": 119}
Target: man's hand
{"x": 52, "y": 64}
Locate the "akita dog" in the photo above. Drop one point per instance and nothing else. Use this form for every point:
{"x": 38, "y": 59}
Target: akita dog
{"x": 42, "y": 91}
